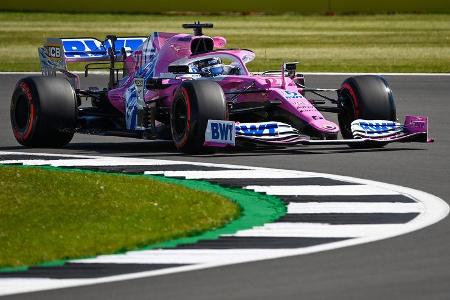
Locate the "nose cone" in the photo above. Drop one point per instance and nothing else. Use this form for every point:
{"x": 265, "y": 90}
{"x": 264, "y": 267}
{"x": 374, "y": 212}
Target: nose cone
{"x": 325, "y": 126}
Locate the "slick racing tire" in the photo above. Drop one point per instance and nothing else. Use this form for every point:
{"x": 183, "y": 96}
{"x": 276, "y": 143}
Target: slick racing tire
{"x": 366, "y": 97}
{"x": 195, "y": 102}
{"x": 43, "y": 111}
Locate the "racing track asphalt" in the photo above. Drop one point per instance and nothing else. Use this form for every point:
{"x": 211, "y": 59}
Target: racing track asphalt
{"x": 412, "y": 266}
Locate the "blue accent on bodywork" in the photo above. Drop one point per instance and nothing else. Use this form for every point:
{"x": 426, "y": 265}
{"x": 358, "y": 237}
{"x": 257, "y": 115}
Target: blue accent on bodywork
{"x": 93, "y": 47}
{"x": 90, "y": 47}
{"x": 220, "y": 131}
{"x": 376, "y": 127}
{"x": 74, "y": 46}
{"x": 292, "y": 95}
{"x": 257, "y": 130}
{"x": 130, "y": 108}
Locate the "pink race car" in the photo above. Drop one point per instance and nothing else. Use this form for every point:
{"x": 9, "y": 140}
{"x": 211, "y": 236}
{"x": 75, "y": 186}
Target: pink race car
{"x": 192, "y": 90}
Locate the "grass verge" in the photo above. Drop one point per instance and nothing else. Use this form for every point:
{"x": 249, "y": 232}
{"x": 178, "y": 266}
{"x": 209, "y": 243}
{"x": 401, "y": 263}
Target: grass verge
{"x": 49, "y": 215}
{"x": 355, "y": 43}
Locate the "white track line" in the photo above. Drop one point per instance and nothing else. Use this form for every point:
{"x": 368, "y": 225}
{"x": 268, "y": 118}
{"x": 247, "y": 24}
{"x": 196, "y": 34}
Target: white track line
{"x": 318, "y": 230}
{"x": 353, "y": 207}
{"x": 76, "y": 156}
{"x": 243, "y": 174}
{"x": 181, "y": 256}
{"x": 319, "y": 190}
{"x": 99, "y": 162}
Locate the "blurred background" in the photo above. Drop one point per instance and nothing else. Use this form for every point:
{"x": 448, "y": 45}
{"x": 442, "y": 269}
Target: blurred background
{"x": 324, "y": 35}
{"x": 236, "y": 6}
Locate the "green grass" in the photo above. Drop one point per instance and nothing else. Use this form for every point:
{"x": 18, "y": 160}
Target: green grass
{"x": 246, "y": 6}
{"x": 376, "y": 43}
{"x": 49, "y": 215}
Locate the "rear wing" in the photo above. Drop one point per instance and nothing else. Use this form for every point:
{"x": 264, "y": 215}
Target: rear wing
{"x": 57, "y": 52}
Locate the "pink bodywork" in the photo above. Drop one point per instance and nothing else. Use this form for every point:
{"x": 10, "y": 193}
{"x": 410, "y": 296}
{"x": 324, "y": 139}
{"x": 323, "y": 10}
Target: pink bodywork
{"x": 161, "y": 49}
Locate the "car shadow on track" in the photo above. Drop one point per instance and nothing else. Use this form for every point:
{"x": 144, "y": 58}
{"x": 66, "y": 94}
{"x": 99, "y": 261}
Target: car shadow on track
{"x": 310, "y": 151}
{"x": 163, "y": 148}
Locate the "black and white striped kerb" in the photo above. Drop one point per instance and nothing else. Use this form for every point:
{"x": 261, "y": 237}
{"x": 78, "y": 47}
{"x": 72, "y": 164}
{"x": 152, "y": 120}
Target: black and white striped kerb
{"x": 324, "y": 212}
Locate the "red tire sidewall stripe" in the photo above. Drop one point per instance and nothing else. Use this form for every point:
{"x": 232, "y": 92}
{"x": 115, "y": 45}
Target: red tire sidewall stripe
{"x": 23, "y": 136}
{"x": 354, "y": 99}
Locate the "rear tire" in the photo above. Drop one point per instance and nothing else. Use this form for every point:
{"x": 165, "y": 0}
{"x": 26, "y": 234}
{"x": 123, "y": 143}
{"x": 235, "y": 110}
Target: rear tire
{"x": 43, "y": 111}
{"x": 366, "y": 97}
{"x": 195, "y": 102}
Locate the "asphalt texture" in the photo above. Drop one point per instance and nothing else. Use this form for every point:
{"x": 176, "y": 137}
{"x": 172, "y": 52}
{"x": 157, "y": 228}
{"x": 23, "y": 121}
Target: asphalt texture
{"x": 412, "y": 266}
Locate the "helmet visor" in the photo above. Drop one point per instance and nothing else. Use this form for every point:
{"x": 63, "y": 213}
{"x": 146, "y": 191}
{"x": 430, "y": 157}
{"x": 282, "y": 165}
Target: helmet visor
{"x": 216, "y": 70}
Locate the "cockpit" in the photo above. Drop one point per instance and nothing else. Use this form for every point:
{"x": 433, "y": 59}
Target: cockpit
{"x": 213, "y": 66}
{"x": 215, "y": 63}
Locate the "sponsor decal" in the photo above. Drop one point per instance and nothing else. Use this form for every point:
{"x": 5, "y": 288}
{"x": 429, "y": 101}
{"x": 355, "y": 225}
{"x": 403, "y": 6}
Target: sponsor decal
{"x": 299, "y": 102}
{"x": 257, "y": 129}
{"x": 416, "y": 122}
{"x": 139, "y": 82}
{"x": 220, "y": 132}
{"x": 292, "y": 95}
{"x": 54, "y": 51}
{"x": 140, "y": 103}
{"x": 131, "y": 107}
{"x": 90, "y": 47}
{"x": 375, "y": 128}
{"x": 51, "y": 57}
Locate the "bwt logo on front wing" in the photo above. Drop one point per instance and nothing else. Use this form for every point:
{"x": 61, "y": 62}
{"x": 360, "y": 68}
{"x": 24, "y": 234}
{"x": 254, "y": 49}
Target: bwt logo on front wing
{"x": 257, "y": 129}
{"x": 220, "y": 133}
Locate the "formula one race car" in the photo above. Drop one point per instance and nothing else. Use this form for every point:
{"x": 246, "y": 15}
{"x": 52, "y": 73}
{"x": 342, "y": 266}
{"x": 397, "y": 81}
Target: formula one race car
{"x": 190, "y": 89}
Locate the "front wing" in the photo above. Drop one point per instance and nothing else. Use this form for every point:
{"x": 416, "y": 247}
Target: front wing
{"x": 368, "y": 133}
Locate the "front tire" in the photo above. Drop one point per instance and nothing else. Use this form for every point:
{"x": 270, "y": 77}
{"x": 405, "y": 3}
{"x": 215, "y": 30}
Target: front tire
{"x": 366, "y": 97}
{"x": 195, "y": 102}
{"x": 43, "y": 111}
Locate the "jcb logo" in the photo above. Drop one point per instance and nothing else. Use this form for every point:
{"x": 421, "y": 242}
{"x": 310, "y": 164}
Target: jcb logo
{"x": 54, "y": 52}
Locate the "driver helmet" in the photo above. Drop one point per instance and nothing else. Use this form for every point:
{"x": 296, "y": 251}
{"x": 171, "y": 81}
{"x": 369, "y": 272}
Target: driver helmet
{"x": 209, "y": 66}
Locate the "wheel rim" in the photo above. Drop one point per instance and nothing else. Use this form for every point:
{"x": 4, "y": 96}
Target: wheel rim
{"x": 180, "y": 119}
{"x": 22, "y": 113}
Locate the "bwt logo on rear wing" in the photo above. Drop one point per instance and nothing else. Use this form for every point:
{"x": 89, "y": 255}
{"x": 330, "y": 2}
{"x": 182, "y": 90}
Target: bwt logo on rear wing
{"x": 81, "y": 49}
{"x": 88, "y": 49}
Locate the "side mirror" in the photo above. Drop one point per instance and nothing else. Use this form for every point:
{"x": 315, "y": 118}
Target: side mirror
{"x": 291, "y": 68}
{"x": 178, "y": 69}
